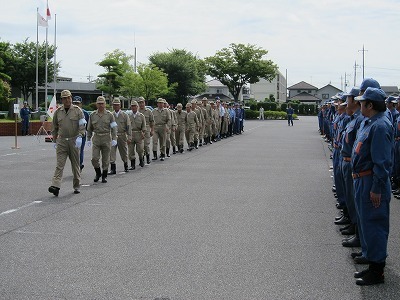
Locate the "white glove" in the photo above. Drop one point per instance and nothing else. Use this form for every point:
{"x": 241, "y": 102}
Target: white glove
{"x": 55, "y": 145}
{"x": 89, "y": 144}
{"x": 78, "y": 142}
{"x": 113, "y": 143}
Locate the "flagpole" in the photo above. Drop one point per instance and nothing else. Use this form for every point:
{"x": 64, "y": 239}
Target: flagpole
{"x": 37, "y": 59}
{"x": 55, "y": 51}
{"x": 46, "y": 61}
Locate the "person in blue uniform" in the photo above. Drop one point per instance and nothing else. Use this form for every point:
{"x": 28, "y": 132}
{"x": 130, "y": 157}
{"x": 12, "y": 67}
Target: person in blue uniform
{"x": 25, "y": 113}
{"x": 77, "y": 100}
{"x": 372, "y": 161}
{"x": 289, "y": 113}
{"x": 391, "y": 104}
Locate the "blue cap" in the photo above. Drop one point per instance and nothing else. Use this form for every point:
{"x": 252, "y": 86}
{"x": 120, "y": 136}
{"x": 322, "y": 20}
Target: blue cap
{"x": 372, "y": 94}
{"x": 217, "y": 98}
{"x": 77, "y": 99}
{"x": 391, "y": 99}
{"x": 369, "y": 82}
{"x": 354, "y": 92}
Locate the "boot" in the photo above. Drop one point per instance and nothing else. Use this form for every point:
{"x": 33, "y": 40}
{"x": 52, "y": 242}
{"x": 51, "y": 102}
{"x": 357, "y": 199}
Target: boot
{"x": 98, "y": 174}
{"x": 350, "y": 230}
{"x": 133, "y": 164}
{"x": 196, "y": 143}
{"x": 126, "y": 167}
{"x": 141, "y": 162}
{"x": 113, "y": 170}
{"x": 173, "y": 150}
{"x": 180, "y": 148}
{"x": 104, "y": 176}
{"x": 190, "y": 147}
{"x": 374, "y": 275}
{"x": 155, "y": 155}
{"x": 148, "y": 158}
{"x": 205, "y": 141}
{"x": 162, "y": 157}
{"x": 200, "y": 143}
{"x": 210, "y": 140}
{"x": 167, "y": 151}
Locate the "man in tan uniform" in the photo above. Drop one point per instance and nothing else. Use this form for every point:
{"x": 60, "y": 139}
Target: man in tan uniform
{"x": 208, "y": 121}
{"x": 181, "y": 118}
{"x": 68, "y": 130}
{"x": 162, "y": 123}
{"x": 149, "y": 127}
{"x": 202, "y": 123}
{"x": 191, "y": 125}
{"x": 170, "y": 137}
{"x": 138, "y": 123}
{"x": 215, "y": 121}
{"x": 199, "y": 115}
{"x": 103, "y": 128}
{"x": 123, "y": 137}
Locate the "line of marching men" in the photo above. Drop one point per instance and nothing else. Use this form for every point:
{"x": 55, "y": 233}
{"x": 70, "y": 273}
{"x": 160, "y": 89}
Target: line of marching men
{"x": 201, "y": 123}
{"x": 364, "y": 130}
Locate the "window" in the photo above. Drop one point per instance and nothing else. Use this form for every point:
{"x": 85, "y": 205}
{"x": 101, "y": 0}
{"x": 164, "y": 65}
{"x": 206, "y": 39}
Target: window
{"x": 309, "y": 91}
{"x": 218, "y": 91}
{"x": 325, "y": 96}
{"x": 299, "y": 91}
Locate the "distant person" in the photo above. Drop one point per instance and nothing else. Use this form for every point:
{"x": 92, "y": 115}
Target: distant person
{"x": 68, "y": 129}
{"x": 25, "y": 113}
{"x": 261, "y": 113}
{"x": 78, "y": 102}
{"x": 290, "y": 113}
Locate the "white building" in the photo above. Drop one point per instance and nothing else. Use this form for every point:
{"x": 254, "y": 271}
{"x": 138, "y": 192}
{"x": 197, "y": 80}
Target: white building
{"x": 262, "y": 90}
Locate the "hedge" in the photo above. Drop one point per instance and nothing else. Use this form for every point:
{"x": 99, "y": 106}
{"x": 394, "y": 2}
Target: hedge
{"x": 270, "y": 115}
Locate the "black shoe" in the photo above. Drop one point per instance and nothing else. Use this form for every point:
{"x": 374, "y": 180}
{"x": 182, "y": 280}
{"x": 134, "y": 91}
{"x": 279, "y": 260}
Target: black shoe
{"x": 354, "y": 241}
{"x": 141, "y": 163}
{"x": 334, "y": 189}
{"x": 181, "y": 149}
{"x": 113, "y": 170}
{"x": 126, "y": 167}
{"x": 343, "y": 221}
{"x": 133, "y": 164}
{"x": 148, "y": 159}
{"x": 154, "y": 155}
{"x": 54, "y": 190}
{"x": 361, "y": 273}
{"x": 81, "y": 167}
{"x": 167, "y": 151}
{"x": 361, "y": 260}
{"x": 173, "y": 150}
{"x": 339, "y": 217}
{"x": 200, "y": 143}
{"x": 162, "y": 157}
{"x": 371, "y": 278}
{"x": 349, "y": 231}
{"x": 77, "y": 191}
{"x": 356, "y": 254}
{"x": 345, "y": 227}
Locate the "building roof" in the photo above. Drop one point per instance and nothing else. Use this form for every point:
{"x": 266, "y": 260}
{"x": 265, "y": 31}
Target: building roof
{"x": 213, "y": 96}
{"x": 304, "y": 97}
{"x": 330, "y": 86}
{"x": 302, "y": 85}
{"x": 215, "y": 83}
{"x": 390, "y": 89}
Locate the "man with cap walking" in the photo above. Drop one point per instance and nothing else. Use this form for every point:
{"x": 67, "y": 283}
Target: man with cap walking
{"x": 149, "y": 126}
{"x": 170, "y": 138}
{"x": 181, "y": 117}
{"x": 199, "y": 114}
{"x": 138, "y": 123}
{"x": 123, "y": 137}
{"x": 162, "y": 123}
{"x": 207, "y": 121}
{"x": 371, "y": 161}
{"x": 68, "y": 129}
{"x": 103, "y": 128}
{"x": 191, "y": 125}
{"x": 77, "y": 100}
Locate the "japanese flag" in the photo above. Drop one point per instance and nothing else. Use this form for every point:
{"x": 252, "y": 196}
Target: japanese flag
{"x": 48, "y": 15}
{"x": 52, "y": 107}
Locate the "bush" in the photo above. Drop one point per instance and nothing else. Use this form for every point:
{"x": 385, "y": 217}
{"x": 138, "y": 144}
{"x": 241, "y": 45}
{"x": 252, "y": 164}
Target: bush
{"x": 270, "y": 115}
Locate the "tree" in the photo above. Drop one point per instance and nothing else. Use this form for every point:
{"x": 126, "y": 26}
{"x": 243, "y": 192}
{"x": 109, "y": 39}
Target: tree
{"x": 240, "y": 64}
{"x": 5, "y": 88}
{"x": 112, "y": 77}
{"x": 21, "y": 66}
{"x": 155, "y": 81}
{"x": 186, "y": 72}
{"x": 132, "y": 85}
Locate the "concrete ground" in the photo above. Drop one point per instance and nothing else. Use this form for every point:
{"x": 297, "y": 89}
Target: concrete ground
{"x": 249, "y": 217}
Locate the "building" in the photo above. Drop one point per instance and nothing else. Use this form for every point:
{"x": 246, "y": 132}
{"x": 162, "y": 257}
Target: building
{"x": 263, "y": 89}
{"x": 326, "y": 92}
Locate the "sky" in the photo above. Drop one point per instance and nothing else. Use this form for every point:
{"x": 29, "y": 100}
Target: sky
{"x": 316, "y": 41}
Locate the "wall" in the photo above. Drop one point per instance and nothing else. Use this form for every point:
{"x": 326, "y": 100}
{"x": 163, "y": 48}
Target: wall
{"x": 8, "y": 129}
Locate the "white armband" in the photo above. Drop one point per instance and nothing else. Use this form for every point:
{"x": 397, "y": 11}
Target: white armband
{"x": 113, "y": 125}
{"x": 82, "y": 122}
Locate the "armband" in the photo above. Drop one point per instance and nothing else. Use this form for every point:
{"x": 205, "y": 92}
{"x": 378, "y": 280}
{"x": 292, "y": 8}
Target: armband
{"x": 82, "y": 122}
{"x": 113, "y": 124}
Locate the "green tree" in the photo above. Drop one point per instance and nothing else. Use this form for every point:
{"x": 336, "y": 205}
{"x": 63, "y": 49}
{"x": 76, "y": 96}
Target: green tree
{"x": 186, "y": 73}
{"x": 21, "y": 66}
{"x": 5, "y": 88}
{"x": 238, "y": 65}
{"x": 132, "y": 85}
{"x": 111, "y": 82}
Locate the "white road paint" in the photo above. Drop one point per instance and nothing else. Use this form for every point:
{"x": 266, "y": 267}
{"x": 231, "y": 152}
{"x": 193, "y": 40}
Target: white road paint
{"x": 7, "y": 212}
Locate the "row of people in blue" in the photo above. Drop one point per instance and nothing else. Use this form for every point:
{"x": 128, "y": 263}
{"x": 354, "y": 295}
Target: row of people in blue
{"x": 361, "y": 127}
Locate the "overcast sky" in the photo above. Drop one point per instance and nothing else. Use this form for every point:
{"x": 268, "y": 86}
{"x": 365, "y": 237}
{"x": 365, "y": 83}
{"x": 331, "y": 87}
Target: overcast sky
{"x": 316, "y": 41}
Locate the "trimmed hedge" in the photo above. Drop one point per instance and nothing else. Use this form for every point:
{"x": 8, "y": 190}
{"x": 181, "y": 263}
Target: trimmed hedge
{"x": 270, "y": 115}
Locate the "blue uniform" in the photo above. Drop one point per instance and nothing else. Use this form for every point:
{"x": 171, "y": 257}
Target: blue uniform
{"x": 290, "y": 113}
{"x": 24, "y": 113}
{"x": 371, "y": 161}
{"x": 348, "y": 138}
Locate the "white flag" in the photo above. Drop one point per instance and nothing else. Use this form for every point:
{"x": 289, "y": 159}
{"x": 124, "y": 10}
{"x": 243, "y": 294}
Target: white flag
{"x": 41, "y": 21}
{"x": 52, "y": 107}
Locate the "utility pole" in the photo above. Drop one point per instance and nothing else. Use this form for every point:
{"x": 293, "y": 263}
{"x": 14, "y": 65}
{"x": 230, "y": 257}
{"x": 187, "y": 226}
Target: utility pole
{"x": 363, "y": 63}
{"x": 355, "y": 73}
{"x": 89, "y": 78}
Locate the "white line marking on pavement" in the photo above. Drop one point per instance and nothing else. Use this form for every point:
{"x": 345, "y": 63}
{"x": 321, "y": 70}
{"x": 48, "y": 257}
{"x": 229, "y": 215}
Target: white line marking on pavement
{"x": 19, "y": 208}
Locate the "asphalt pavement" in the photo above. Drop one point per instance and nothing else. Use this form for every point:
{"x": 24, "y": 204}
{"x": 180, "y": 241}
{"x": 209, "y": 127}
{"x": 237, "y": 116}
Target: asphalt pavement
{"x": 249, "y": 217}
